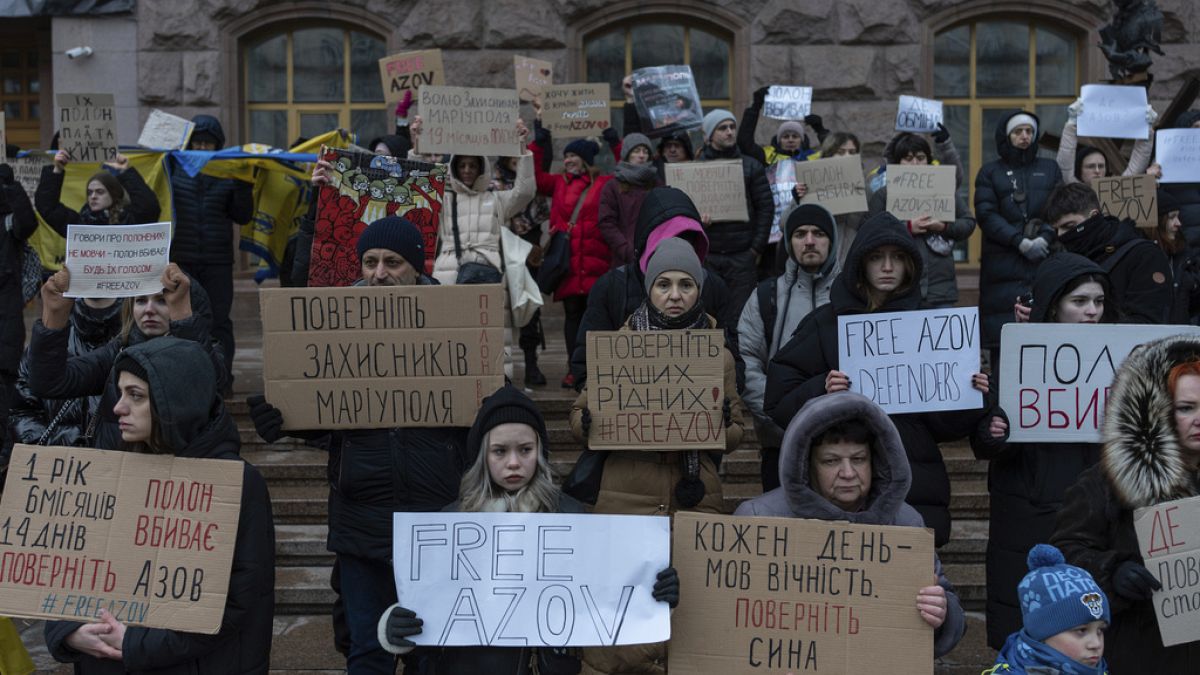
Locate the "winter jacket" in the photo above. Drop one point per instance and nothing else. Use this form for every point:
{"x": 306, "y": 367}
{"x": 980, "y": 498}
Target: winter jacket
{"x": 143, "y": 203}
{"x": 1068, "y": 143}
{"x": 1005, "y": 274}
{"x": 1138, "y": 270}
{"x": 206, "y": 209}
{"x": 183, "y": 388}
{"x": 481, "y": 214}
{"x": 620, "y": 203}
{"x": 1185, "y": 288}
{"x": 67, "y": 420}
{"x": 795, "y": 498}
{"x": 1188, "y": 195}
{"x": 728, "y": 238}
{"x": 1141, "y": 464}
{"x": 19, "y": 224}
{"x": 54, "y": 373}
{"x": 797, "y": 374}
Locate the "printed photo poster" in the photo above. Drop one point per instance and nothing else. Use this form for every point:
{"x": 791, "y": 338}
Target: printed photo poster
{"x": 667, "y": 99}
{"x": 782, "y": 178}
{"x": 364, "y": 188}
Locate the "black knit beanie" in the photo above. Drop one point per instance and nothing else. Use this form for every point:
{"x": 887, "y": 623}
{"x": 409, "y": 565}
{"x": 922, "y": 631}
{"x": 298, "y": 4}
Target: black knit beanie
{"x": 394, "y": 234}
{"x": 508, "y": 404}
{"x": 128, "y": 364}
{"x": 587, "y": 150}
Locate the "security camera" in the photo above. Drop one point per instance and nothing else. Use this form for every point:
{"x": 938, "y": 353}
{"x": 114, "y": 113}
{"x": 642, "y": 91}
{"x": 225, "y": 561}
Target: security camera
{"x": 79, "y": 52}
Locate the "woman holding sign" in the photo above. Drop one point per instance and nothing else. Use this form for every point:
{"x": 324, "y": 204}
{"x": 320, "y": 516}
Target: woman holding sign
{"x": 1151, "y": 455}
{"x": 1085, "y": 163}
{"x": 170, "y": 405}
{"x": 116, "y": 195}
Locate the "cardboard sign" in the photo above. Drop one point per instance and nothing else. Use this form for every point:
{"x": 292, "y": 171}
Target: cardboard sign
{"x": 836, "y": 183}
{"x": 164, "y": 131}
{"x": 150, "y": 538}
{"x": 787, "y": 103}
{"x": 364, "y": 188}
{"x": 717, "y": 188}
{"x": 656, "y": 390}
{"x": 1129, "y": 197}
{"x": 533, "y": 76}
{"x": 916, "y": 191}
{"x": 87, "y": 126}
{"x": 401, "y": 73}
{"x": 782, "y": 178}
{"x": 785, "y": 594}
{"x": 117, "y": 261}
{"x": 666, "y": 99}
{"x": 1169, "y": 538}
{"x": 1178, "y": 152}
{"x": 532, "y": 579}
{"x": 460, "y": 120}
{"x": 918, "y": 115}
{"x": 1113, "y": 111}
{"x": 27, "y": 171}
{"x": 1054, "y": 378}
{"x": 912, "y": 361}
{"x": 371, "y": 357}
{"x": 575, "y": 110}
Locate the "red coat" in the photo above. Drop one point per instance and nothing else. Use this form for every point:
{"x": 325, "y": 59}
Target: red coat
{"x": 590, "y": 256}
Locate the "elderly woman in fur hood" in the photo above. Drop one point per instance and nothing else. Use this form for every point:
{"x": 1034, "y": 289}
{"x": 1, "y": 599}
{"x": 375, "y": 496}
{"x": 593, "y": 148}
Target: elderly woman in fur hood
{"x": 1151, "y": 454}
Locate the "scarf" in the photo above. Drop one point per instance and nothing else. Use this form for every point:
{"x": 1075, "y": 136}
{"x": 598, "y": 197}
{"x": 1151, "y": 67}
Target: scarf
{"x": 1022, "y": 653}
{"x": 638, "y": 175}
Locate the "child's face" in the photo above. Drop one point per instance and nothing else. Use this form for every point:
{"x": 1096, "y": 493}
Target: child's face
{"x": 1083, "y": 644}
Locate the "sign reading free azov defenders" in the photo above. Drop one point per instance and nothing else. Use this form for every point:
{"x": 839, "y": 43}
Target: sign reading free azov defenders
{"x": 384, "y": 356}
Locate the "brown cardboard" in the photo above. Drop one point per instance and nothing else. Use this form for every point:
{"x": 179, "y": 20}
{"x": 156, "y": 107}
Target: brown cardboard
{"x": 87, "y": 126}
{"x": 105, "y": 504}
{"x": 469, "y": 121}
{"x": 407, "y": 71}
{"x": 656, "y": 390}
{"x": 27, "y": 171}
{"x": 717, "y": 188}
{"x": 848, "y": 606}
{"x": 575, "y": 110}
{"x": 836, "y": 183}
{"x": 1132, "y": 197}
{"x": 914, "y": 191}
{"x": 1169, "y": 539}
{"x": 384, "y": 356}
{"x": 532, "y": 76}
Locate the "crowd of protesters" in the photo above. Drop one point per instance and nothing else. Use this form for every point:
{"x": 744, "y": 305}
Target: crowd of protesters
{"x": 149, "y": 374}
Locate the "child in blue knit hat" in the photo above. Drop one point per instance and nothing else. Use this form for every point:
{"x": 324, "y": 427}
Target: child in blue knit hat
{"x": 1064, "y": 614}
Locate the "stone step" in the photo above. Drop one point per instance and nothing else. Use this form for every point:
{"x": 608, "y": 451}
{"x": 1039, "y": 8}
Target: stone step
{"x": 301, "y": 545}
{"x": 303, "y": 590}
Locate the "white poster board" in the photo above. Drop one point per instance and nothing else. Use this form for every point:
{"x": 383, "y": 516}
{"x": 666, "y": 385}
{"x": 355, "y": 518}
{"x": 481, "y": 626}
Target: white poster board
{"x": 918, "y": 115}
{"x": 1169, "y": 538}
{"x": 909, "y": 362}
{"x": 117, "y": 261}
{"x": 1178, "y": 152}
{"x": 164, "y": 131}
{"x": 1054, "y": 378}
{"x": 532, "y": 579}
{"x": 1113, "y": 111}
{"x": 787, "y": 103}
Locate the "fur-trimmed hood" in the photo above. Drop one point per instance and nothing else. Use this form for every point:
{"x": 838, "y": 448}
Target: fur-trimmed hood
{"x": 1141, "y": 457}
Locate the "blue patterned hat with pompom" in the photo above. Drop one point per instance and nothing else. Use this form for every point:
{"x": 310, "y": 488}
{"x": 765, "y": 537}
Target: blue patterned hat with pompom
{"x": 1056, "y": 596}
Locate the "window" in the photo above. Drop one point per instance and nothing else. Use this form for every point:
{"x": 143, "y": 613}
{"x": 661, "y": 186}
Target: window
{"x": 986, "y": 67}
{"x": 306, "y": 81}
{"x": 20, "y": 89}
{"x": 617, "y": 51}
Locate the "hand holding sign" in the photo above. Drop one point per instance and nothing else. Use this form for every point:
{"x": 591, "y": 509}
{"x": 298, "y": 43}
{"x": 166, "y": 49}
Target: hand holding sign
{"x": 1112, "y": 111}
{"x": 56, "y": 308}
{"x": 177, "y": 291}
{"x": 92, "y": 639}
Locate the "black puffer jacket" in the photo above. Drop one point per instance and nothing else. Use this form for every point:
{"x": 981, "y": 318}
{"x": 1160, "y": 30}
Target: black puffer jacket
{"x": 1185, "y": 288}
{"x": 183, "y": 388}
{"x": 143, "y": 204}
{"x": 1141, "y": 465}
{"x": 1004, "y": 273}
{"x": 1188, "y": 195}
{"x": 67, "y": 419}
{"x": 726, "y": 238}
{"x": 15, "y": 211}
{"x": 797, "y": 373}
{"x": 1138, "y": 270}
{"x": 206, "y": 208}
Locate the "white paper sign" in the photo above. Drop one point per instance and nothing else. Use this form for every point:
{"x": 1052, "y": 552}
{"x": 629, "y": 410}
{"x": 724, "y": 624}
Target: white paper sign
{"x": 164, "y": 131}
{"x": 912, "y": 361}
{"x": 1113, "y": 111}
{"x": 1055, "y": 377}
{"x": 918, "y": 115}
{"x": 787, "y": 103}
{"x": 117, "y": 261}
{"x": 1169, "y": 538}
{"x": 1178, "y": 152}
{"x": 532, "y": 579}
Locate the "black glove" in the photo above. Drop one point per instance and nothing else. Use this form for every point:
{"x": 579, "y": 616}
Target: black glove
{"x": 1133, "y": 581}
{"x": 942, "y": 134}
{"x": 814, "y": 123}
{"x": 726, "y": 414}
{"x": 402, "y": 623}
{"x": 585, "y": 420}
{"x": 666, "y": 587}
{"x": 760, "y": 97}
{"x": 268, "y": 421}
{"x": 611, "y": 137}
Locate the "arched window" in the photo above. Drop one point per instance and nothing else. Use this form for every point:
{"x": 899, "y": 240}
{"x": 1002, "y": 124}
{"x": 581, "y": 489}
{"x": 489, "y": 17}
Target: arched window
{"x": 303, "y": 81}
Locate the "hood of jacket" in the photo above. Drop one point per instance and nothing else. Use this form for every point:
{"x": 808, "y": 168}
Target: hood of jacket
{"x": 660, "y": 205}
{"x": 1013, "y": 155}
{"x": 211, "y": 125}
{"x": 890, "y": 473}
{"x": 398, "y": 146}
{"x": 1051, "y": 281}
{"x": 682, "y": 137}
{"x": 1141, "y": 455}
{"x": 879, "y": 230}
{"x": 482, "y": 182}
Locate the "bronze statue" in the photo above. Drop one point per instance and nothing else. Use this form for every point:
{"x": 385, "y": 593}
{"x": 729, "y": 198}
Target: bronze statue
{"x": 1135, "y": 31}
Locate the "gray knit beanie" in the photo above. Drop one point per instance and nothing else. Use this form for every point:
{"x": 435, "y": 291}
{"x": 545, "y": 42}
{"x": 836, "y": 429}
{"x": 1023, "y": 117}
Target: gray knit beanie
{"x": 674, "y": 255}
